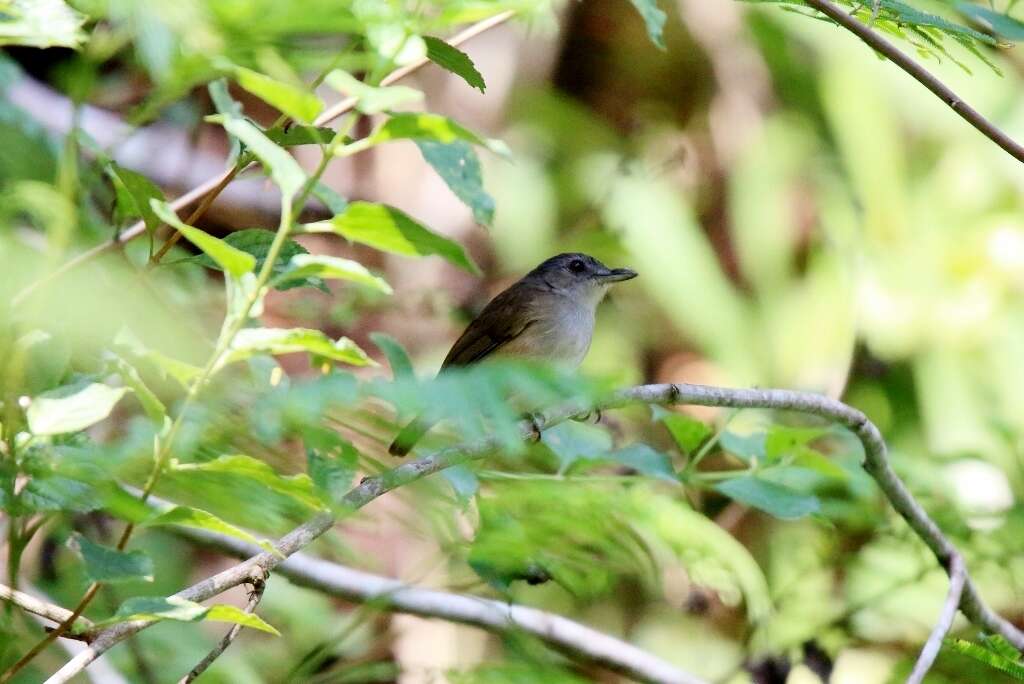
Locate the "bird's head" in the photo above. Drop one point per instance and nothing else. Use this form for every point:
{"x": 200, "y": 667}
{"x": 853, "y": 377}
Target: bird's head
{"x": 579, "y": 276}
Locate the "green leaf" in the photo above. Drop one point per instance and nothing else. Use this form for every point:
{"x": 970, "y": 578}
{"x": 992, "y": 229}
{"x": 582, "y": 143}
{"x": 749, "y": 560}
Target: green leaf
{"x": 999, "y": 23}
{"x": 464, "y": 482}
{"x": 299, "y": 487}
{"x": 284, "y": 170}
{"x": 747, "y": 448}
{"x": 257, "y": 242}
{"x": 996, "y": 660}
{"x": 204, "y": 520}
{"x": 226, "y": 613}
{"x": 390, "y": 230}
{"x": 573, "y": 441}
{"x": 300, "y": 135}
{"x": 459, "y": 168}
{"x": 784, "y": 441}
{"x": 433, "y": 127}
{"x": 654, "y": 20}
{"x": 775, "y": 499}
{"x": 644, "y": 460}
{"x": 296, "y": 102}
{"x": 333, "y": 473}
{"x": 303, "y": 267}
{"x": 398, "y": 359}
{"x": 452, "y": 59}
{"x": 40, "y": 23}
{"x": 370, "y": 99}
{"x": 153, "y": 608}
{"x": 251, "y": 341}
{"x": 229, "y": 107}
{"x": 72, "y": 408}
{"x": 104, "y": 564}
{"x": 134, "y": 191}
{"x": 232, "y": 260}
{"x": 688, "y": 433}
{"x": 52, "y": 492}
{"x": 151, "y": 404}
{"x": 331, "y": 199}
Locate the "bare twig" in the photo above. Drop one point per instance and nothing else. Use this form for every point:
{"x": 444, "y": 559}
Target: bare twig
{"x": 208, "y": 191}
{"x": 957, "y": 578}
{"x": 36, "y": 606}
{"x": 876, "y": 463}
{"x": 258, "y": 580}
{"x": 390, "y": 594}
{"x": 922, "y": 75}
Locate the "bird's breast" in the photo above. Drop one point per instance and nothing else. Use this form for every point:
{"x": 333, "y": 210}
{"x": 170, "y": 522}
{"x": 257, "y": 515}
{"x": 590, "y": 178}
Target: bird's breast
{"x": 559, "y": 335}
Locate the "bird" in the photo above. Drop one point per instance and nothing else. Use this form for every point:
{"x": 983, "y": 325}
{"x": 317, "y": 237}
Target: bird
{"x": 547, "y": 316}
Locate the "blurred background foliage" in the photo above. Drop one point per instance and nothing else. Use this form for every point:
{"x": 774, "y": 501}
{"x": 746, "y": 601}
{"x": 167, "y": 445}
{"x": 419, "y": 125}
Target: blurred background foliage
{"x": 802, "y": 215}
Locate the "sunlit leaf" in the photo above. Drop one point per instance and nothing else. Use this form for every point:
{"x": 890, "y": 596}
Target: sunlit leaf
{"x": 371, "y": 99}
{"x": 104, "y": 564}
{"x": 775, "y": 499}
{"x": 257, "y": 242}
{"x": 72, "y": 408}
{"x": 40, "y": 23}
{"x": 688, "y": 433}
{"x": 430, "y": 127}
{"x": 284, "y": 170}
{"x": 459, "y": 168}
{"x": 296, "y": 102}
{"x": 390, "y": 230}
{"x": 251, "y": 341}
{"x": 134, "y": 192}
{"x": 151, "y": 404}
{"x": 299, "y": 487}
{"x": 454, "y": 60}
{"x": 203, "y": 520}
{"x": 303, "y": 267}
{"x": 153, "y": 608}
{"x": 230, "y": 259}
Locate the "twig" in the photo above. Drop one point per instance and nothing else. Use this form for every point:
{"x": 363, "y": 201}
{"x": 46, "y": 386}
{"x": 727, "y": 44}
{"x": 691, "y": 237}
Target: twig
{"x": 922, "y": 75}
{"x": 355, "y": 585}
{"x": 876, "y": 463}
{"x": 258, "y": 580}
{"x": 957, "y": 578}
{"x": 36, "y": 606}
{"x": 209, "y": 190}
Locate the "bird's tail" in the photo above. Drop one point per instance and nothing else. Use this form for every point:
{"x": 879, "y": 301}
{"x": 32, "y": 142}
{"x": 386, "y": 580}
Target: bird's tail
{"x": 409, "y": 435}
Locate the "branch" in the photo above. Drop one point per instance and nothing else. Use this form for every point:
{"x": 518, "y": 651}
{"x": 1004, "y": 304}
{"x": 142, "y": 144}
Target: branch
{"x": 957, "y": 577}
{"x": 922, "y": 75}
{"x": 258, "y": 579}
{"x": 208, "y": 190}
{"x": 876, "y": 464}
{"x": 391, "y": 594}
{"x": 36, "y": 606}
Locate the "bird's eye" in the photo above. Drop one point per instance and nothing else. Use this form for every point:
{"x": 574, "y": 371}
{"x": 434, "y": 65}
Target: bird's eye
{"x": 577, "y": 266}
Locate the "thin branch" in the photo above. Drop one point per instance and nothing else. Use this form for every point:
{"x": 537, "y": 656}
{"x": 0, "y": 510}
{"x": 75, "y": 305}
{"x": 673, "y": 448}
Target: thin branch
{"x": 922, "y": 75}
{"x": 258, "y": 580}
{"x": 876, "y": 464}
{"x": 391, "y": 594}
{"x": 36, "y": 606}
{"x": 211, "y": 188}
{"x": 957, "y": 578}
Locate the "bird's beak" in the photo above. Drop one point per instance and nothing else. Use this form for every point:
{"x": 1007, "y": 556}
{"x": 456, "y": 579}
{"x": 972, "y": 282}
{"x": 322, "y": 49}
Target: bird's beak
{"x": 615, "y": 275}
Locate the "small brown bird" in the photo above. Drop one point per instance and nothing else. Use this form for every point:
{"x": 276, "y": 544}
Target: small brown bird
{"x": 548, "y": 316}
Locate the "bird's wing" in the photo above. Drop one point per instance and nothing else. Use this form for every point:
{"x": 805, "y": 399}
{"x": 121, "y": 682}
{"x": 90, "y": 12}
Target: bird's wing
{"x": 501, "y": 321}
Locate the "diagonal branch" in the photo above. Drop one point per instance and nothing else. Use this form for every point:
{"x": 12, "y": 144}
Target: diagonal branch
{"x": 258, "y": 580}
{"x": 31, "y": 604}
{"x": 922, "y": 75}
{"x": 957, "y": 577}
{"x": 499, "y": 616}
{"x": 876, "y": 464}
{"x": 207, "y": 192}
